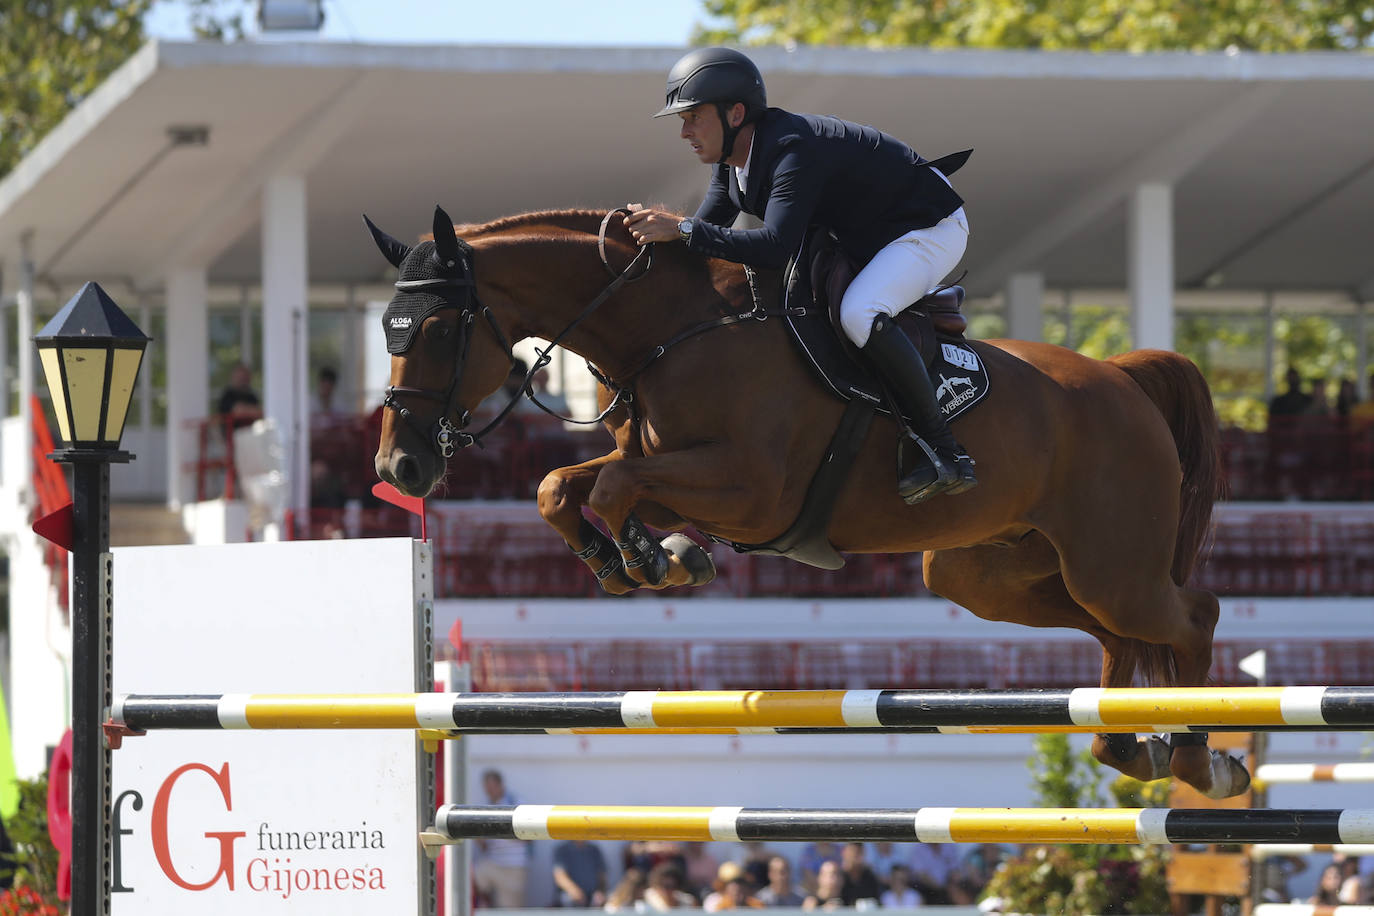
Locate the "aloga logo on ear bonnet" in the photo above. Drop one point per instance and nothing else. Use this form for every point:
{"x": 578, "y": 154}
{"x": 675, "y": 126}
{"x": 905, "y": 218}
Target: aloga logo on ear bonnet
{"x": 417, "y": 297}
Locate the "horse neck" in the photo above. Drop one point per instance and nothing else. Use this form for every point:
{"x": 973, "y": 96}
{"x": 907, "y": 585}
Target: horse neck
{"x": 544, "y": 284}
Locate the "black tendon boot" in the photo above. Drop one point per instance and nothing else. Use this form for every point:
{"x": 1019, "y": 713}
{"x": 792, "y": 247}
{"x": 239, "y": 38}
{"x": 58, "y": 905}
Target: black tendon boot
{"x": 893, "y": 355}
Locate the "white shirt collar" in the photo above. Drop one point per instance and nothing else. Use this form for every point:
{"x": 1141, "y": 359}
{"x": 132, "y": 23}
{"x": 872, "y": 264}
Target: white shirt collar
{"x": 742, "y": 172}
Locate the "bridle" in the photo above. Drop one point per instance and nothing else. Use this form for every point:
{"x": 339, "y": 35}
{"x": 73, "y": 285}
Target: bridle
{"x": 447, "y": 436}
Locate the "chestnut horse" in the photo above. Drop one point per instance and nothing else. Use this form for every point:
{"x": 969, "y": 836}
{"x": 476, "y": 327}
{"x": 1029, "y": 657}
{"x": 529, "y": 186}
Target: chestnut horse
{"x": 1097, "y": 478}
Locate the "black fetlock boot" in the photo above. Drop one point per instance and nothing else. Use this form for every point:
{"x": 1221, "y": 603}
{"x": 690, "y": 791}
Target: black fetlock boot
{"x": 891, "y": 352}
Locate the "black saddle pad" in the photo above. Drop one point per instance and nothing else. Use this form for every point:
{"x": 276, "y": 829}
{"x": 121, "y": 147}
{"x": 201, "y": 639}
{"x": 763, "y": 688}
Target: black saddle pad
{"x": 959, "y": 376}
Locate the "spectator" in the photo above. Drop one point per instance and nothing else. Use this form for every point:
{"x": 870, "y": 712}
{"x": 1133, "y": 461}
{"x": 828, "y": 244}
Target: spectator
{"x": 1318, "y": 403}
{"x": 813, "y": 856}
{"x": 883, "y": 856}
{"x": 699, "y": 867}
{"x": 1346, "y": 397}
{"x": 732, "y": 890}
{"x": 239, "y": 404}
{"x": 1363, "y": 411}
{"x": 900, "y": 894}
{"x": 628, "y": 895}
{"x": 1292, "y": 402}
{"x": 1352, "y": 886}
{"x": 779, "y": 891}
{"x": 979, "y": 865}
{"x": 932, "y": 867}
{"x": 829, "y": 888}
{"x": 1274, "y": 874}
{"x": 1328, "y": 887}
{"x": 757, "y": 857}
{"x": 859, "y": 881}
{"x": 665, "y": 889}
{"x": 499, "y": 865}
{"x": 324, "y": 409}
{"x": 579, "y": 874}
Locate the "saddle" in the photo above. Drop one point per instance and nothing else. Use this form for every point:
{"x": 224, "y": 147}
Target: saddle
{"x": 813, "y": 286}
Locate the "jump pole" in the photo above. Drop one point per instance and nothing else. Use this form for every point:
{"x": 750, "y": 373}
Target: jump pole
{"x": 1087, "y": 709}
{"x": 1292, "y": 773}
{"x": 1307, "y": 849}
{"x": 453, "y": 823}
{"x": 1310, "y": 909}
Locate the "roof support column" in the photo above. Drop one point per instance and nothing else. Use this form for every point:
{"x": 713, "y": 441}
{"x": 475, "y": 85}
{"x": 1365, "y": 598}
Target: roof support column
{"x": 188, "y": 374}
{"x": 1025, "y": 306}
{"x": 285, "y": 288}
{"x": 1150, "y": 269}
{"x": 23, "y": 304}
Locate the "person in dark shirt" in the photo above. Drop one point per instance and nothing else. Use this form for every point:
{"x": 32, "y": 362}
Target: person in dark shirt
{"x": 579, "y": 874}
{"x": 895, "y": 214}
{"x": 1292, "y": 402}
{"x": 860, "y": 883}
{"x": 239, "y": 403}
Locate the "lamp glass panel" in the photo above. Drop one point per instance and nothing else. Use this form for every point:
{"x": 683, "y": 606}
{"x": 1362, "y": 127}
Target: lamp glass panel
{"x": 122, "y": 377}
{"x": 86, "y": 388}
{"x": 53, "y": 373}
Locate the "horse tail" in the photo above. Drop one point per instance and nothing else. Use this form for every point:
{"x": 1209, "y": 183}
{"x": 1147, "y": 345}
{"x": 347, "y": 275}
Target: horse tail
{"x": 1180, "y": 392}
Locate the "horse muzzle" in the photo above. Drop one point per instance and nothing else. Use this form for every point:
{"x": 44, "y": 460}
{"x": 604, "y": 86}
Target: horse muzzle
{"x": 413, "y": 473}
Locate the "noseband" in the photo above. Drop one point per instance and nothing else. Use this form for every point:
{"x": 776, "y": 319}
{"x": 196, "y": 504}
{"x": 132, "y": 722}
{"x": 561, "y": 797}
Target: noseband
{"x": 446, "y": 436}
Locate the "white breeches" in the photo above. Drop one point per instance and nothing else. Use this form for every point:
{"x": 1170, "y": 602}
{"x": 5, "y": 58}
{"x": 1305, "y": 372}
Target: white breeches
{"x": 902, "y": 272}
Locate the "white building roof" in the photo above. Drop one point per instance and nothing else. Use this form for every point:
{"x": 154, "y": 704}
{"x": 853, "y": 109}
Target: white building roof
{"x": 1271, "y": 156}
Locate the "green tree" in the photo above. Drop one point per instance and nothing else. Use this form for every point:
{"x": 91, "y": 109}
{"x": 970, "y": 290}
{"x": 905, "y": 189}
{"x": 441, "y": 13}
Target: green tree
{"x": 1091, "y": 25}
{"x": 54, "y": 53}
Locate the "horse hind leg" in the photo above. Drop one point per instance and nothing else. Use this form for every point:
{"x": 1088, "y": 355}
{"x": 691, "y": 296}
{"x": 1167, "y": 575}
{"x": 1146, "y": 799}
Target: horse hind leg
{"x": 1145, "y": 759}
{"x": 1175, "y": 624}
{"x": 1213, "y": 773}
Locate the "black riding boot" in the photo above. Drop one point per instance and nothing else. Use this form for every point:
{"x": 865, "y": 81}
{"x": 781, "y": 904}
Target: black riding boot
{"x": 893, "y": 355}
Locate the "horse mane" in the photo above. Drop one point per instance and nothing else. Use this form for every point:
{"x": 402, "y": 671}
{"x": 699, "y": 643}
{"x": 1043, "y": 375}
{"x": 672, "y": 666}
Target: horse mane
{"x": 572, "y": 220}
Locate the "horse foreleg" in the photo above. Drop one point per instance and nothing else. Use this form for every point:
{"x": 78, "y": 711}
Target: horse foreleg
{"x": 564, "y": 492}
{"x": 704, "y": 483}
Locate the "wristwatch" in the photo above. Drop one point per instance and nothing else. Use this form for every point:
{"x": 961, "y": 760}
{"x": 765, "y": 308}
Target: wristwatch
{"x": 684, "y": 229}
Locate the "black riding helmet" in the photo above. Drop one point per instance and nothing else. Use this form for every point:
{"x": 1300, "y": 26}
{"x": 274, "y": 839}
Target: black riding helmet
{"x": 719, "y": 76}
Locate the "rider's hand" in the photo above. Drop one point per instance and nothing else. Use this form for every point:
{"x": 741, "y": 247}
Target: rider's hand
{"x": 649, "y": 225}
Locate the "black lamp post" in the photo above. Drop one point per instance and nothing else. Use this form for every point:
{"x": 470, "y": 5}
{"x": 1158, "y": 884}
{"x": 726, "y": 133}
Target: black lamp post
{"x": 91, "y": 352}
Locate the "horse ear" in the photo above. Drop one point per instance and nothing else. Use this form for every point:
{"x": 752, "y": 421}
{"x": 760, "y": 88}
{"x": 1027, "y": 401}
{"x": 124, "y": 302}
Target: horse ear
{"x": 445, "y": 239}
{"x": 394, "y": 251}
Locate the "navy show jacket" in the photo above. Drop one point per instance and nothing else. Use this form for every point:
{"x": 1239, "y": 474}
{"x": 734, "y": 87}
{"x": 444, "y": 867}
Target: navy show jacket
{"x": 864, "y": 185}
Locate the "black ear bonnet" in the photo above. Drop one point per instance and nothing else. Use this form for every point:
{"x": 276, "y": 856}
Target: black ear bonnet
{"x": 427, "y": 284}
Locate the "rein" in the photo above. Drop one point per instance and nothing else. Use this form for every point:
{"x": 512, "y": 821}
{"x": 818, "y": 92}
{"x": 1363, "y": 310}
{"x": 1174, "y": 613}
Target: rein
{"x": 447, "y": 437}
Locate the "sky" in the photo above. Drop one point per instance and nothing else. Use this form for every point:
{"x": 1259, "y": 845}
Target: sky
{"x": 519, "y": 22}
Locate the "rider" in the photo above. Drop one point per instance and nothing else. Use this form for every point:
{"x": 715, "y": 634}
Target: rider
{"x": 889, "y": 211}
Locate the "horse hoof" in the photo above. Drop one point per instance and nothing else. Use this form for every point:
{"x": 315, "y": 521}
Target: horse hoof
{"x": 694, "y": 558}
{"x": 1229, "y": 776}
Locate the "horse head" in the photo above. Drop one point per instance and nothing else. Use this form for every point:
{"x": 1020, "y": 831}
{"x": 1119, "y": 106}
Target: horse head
{"x": 443, "y": 361}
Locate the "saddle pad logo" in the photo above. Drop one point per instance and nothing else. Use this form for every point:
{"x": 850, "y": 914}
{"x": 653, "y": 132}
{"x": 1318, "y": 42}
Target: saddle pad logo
{"x": 962, "y": 357}
{"x": 959, "y": 377}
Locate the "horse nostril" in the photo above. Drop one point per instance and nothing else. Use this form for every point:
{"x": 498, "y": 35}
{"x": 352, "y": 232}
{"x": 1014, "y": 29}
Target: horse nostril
{"x": 408, "y": 472}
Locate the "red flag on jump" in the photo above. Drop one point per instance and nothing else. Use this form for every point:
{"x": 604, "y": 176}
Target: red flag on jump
{"x": 57, "y": 527}
{"x": 412, "y": 504}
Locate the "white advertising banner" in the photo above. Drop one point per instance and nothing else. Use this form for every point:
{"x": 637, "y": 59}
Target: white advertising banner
{"x": 305, "y": 822}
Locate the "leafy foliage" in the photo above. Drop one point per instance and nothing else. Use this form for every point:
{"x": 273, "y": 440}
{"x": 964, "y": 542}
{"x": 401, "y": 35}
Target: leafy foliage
{"x": 54, "y": 53}
{"x": 33, "y": 864}
{"x": 1073, "y": 880}
{"x": 1095, "y": 25}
